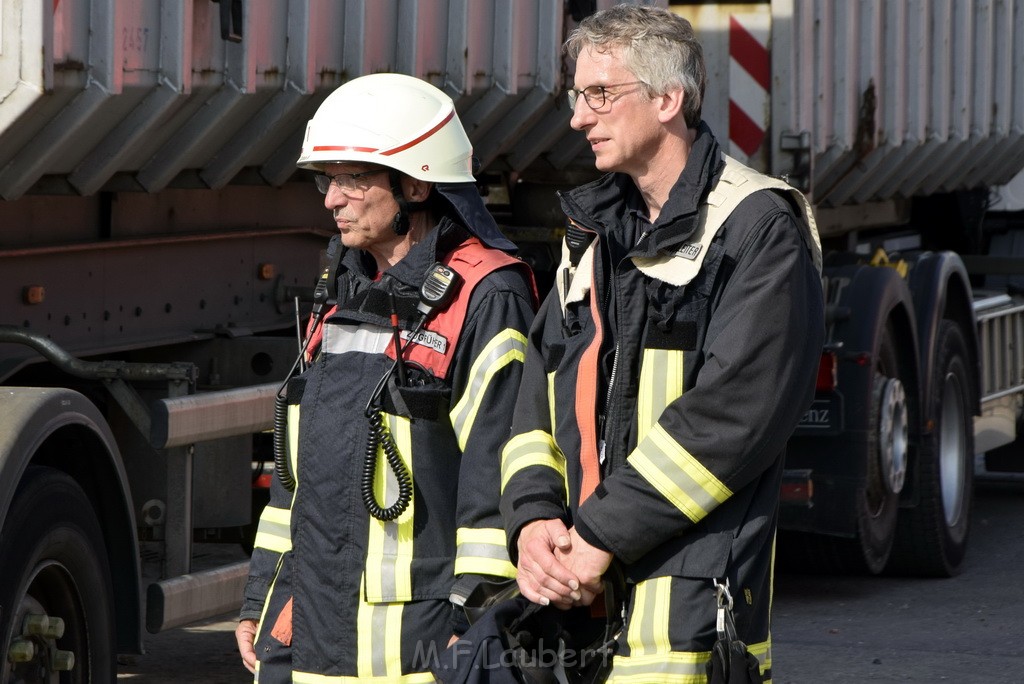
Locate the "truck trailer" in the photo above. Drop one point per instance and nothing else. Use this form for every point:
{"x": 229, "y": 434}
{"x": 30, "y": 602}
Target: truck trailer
{"x": 904, "y": 124}
{"x": 159, "y": 250}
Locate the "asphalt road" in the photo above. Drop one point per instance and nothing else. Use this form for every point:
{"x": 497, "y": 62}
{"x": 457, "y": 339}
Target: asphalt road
{"x": 965, "y": 629}
{"x": 962, "y": 630}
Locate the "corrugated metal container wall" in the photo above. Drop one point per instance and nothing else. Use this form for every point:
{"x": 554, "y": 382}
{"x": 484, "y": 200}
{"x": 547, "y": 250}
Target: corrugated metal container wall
{"x": 138, "y": 94}
{"x": 898, "y": 98}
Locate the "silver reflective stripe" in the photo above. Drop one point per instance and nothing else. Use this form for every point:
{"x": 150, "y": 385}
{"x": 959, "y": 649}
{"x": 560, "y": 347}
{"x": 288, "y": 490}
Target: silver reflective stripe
{"x": 648, "y": 626}
{"x": 482, "y": 551}
{"x": 346, "y": 337}
{"x": 677, "y": 666}
{"x": 677, "y": 475}
{"x": 379, "y": 641}
{"x": 532, "y": 448}
{"x": 294, "y": 414}
{"x": 274, "y": 530}
{"x": 379, "y": 657}
{"x": 390, "y": 543}
{"x": 661, "y": 383}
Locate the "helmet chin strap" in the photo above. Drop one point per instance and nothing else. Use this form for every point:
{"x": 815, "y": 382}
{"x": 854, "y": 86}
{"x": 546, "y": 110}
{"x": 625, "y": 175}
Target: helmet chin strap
{"x": 400, "y": 223}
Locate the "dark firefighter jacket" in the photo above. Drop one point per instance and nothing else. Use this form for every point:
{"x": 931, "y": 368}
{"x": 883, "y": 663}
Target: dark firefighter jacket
{"x": 670, "y": 405}
{"x": 370, "y": 597}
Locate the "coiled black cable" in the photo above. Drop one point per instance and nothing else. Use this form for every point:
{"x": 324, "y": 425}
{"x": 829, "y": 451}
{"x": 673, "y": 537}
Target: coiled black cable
{"x": 380, "y": 436}
{"x": 323, "y": 292}
{"x": 281, "y": 466}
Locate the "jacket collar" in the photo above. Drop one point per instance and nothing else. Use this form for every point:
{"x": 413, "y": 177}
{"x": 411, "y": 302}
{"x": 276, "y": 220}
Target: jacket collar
{"x": 603, "y": 205}
{"x": 472, "y": 212}
{"x": 412, "y": 269}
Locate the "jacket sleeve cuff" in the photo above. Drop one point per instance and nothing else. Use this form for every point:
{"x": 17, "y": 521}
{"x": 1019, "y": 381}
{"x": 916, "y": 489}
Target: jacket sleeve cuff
{"x": 602, "y": 526}
{"x": 514, "y": 527}
{"x": 253, "y": 597}
{"x": 463, "y": 587}
{"x": 518, "y": 512}
{"x": 589, "y": 536}
{"x": 469, "y": 598}
{"x": 248, "y": 614}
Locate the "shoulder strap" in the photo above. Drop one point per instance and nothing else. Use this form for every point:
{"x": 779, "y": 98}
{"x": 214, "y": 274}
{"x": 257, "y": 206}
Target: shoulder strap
{"x": 434, "y": 347}
{"x": 736, "y": 183}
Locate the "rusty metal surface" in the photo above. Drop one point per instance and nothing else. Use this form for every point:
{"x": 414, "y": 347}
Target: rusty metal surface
{"x": 94, "y": 89}
{"x": 900, "y": 98}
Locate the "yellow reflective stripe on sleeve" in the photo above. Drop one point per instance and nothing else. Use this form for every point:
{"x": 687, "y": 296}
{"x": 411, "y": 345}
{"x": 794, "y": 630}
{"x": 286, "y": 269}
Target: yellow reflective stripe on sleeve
{"x": 390, "y": 545}
{"x": 677, "y": 475}
{"x": 504, "y": 348}
{"x": 648, "y": 626}
{"x": 274, "y": 530}
{"x": 483, "y": 552}
{"x": 534, "y": 448}
{"x": 661, "y": 383}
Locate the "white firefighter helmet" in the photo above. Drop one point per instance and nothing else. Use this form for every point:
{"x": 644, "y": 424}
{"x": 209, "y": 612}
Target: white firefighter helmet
{"x": 393, "y": 120}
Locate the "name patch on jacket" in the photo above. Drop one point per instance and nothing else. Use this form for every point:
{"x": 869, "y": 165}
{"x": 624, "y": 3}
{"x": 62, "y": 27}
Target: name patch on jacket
{"x": 691, "y": 250}
{"x": 428, "y": 338}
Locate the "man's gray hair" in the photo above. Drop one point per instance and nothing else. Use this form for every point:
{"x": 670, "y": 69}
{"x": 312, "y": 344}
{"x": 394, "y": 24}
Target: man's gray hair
{"x": 658, "y": 46}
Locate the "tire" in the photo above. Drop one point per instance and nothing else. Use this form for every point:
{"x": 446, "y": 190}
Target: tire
{"x": 932, "y": 536}
{"x": 877, "y": 503}
{"x": 54, "y": 563}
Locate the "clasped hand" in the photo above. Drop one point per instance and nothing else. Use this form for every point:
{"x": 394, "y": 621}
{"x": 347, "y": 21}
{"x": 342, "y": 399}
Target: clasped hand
{"x": 557, "y": 567}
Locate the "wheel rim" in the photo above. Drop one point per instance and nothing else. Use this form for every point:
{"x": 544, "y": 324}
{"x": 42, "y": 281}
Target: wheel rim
{"x": 52, "y": 593}
{"x": 952, "y": 444}
{"x": 893, "y": 438}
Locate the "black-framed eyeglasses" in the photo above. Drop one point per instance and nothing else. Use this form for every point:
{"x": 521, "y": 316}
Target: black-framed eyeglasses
{"x": 347, "y": 182}
{"x": 595, "y": 95}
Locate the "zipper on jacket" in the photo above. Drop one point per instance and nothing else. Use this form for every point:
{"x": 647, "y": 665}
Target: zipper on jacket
{"x": 602, "y": 419}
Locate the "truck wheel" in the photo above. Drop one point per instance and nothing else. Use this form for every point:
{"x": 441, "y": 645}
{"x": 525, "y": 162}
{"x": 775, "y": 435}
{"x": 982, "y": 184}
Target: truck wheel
{"x": 56, "y": 599}
{"x": 932, "y": 536}
{"x": 878, "y": 503}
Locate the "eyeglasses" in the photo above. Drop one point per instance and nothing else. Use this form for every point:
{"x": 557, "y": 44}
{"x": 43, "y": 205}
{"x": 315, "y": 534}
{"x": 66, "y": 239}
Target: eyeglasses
{"x": 348, "y": 183}
{"x": 595, "y": 95}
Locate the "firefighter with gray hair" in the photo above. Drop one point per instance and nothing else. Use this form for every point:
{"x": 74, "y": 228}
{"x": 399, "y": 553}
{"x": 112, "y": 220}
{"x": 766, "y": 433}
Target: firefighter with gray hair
{"x": 667, "y": 369}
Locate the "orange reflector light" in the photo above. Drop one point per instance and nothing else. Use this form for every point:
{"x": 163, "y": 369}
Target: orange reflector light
{"x": 797, "y": 491}
{"x": 827, "y": 365}
{"x": 262, "y": 482}
{"x": 33, "y": 294}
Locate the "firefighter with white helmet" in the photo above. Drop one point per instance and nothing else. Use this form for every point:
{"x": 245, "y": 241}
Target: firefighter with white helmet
{"x": 390, "y": 120}
{"x": 384, "y": 511}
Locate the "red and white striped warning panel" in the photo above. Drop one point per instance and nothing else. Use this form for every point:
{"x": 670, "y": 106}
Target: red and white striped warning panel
{"x": 749, "y": 82}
